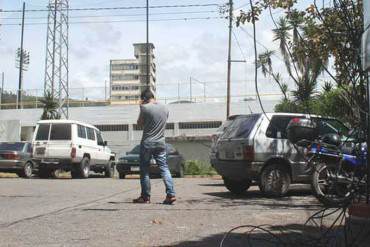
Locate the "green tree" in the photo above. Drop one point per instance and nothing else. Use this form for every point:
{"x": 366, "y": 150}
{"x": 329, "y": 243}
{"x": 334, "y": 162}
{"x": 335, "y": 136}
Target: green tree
{"x": 50, "y": 107}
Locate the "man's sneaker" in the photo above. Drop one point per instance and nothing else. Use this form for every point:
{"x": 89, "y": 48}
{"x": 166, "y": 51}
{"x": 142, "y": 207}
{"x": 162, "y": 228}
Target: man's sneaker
{"x": 169, "y": 200}
{"x": 141, "y": 199}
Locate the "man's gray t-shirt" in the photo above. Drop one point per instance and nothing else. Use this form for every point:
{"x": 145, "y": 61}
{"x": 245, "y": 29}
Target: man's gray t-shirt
{"x": 155, "y": 117}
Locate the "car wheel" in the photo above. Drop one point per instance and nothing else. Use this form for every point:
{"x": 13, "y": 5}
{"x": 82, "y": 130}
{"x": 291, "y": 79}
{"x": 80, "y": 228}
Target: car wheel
{"x": 236, "y": 187}
{"x": 109, "y": 170}
{"x": 274, "y": 181}
{"x": 27, "y": 170}
{"x": 181, "y": 173}
{"x": 81, "y": 170}
{"x": 121, "y": 175}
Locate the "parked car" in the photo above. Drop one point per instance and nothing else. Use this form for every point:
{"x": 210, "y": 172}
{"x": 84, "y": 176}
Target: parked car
{"x": 254, "y": 149}
{"x": 71, "y": 146}
{"x": 16, "y": 157}
{"x": 129, "y": 163}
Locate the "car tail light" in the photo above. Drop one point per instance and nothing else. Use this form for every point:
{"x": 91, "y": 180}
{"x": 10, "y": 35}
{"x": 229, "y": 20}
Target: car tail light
{"x": 73, "y": 152}
{"x": 248, "y": 153}
{"x": 11, "y": 156}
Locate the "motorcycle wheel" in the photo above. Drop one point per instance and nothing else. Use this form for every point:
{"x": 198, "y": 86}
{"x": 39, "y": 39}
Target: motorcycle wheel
{"x": 328, "y": 188}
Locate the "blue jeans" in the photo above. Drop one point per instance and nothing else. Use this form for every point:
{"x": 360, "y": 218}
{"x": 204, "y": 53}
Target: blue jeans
{"x": 160, "y": 156}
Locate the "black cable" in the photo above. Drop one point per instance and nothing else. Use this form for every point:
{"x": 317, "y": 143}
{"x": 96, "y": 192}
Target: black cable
{"x": 118, "y": 8}
{"x": 121, "y": 21}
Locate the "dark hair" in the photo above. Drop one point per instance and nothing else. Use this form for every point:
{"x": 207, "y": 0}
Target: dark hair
{"x": 146, "y": 95}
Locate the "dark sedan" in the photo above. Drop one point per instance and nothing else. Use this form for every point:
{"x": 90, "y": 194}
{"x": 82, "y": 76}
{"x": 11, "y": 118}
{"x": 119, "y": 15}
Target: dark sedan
{"x": 129, "y": 163}
{"x": 16, "y": 157}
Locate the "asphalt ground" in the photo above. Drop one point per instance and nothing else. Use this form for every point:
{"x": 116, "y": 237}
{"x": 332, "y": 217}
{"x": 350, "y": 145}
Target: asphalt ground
{"x": 99, "y": 212}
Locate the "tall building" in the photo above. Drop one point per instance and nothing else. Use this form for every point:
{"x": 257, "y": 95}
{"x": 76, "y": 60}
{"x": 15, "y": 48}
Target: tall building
{"x": 128, "y": 77}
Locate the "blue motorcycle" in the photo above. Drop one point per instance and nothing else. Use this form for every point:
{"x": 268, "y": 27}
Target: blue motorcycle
{"x": 338, "y": 169}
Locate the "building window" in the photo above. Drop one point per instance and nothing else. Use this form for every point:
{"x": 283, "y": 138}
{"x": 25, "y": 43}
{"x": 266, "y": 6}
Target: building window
{"x": 125, "y": 87}
{"x": 124, "y": 77}
{"x": 200, "y": 125}
{"x": 125, "y": 67}
{"x": 112, "y": 127}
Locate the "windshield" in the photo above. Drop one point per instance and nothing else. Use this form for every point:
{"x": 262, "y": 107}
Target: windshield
{"x": 15, "y": 146}
{"x": 135, "y": 150}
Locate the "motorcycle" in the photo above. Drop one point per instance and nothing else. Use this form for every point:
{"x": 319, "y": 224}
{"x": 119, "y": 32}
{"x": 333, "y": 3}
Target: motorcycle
{"x": 338, "y": 167}
{"x": 338, "y": 171}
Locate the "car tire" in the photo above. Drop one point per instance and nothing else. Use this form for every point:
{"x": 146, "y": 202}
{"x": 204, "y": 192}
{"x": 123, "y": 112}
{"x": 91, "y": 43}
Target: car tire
{"x": 121, "y": 175}
{"x": 236, "y": 187}
{"x": 27, "y": 170}
{"x": 81, "y": 170}
{"x": 181, "y": 172}
{"x": 109, "y": 170}
{"x": 274, "y": 181}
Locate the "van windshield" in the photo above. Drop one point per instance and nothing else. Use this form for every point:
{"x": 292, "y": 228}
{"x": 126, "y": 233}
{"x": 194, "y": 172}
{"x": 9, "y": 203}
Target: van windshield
{"x": 241, "y": 127}
{"x": 60, "y": 132}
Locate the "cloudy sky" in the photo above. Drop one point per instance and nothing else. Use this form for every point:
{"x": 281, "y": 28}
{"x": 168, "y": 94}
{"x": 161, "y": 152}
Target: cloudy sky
{"x": 184, "y": 49}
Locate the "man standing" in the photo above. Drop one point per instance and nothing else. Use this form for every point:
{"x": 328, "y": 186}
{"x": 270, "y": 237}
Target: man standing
{"x": 153, "y": 117}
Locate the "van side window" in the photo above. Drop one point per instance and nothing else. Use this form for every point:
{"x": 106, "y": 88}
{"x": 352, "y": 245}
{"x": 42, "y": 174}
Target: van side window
{"x": 43, "y": 132}
{"x": 90, "y": 134}
{"x": 100, "y": 139}
{"x": 278, "y": 125}
{"x": 60, "y": 132}
{"x": 81, "y": 131}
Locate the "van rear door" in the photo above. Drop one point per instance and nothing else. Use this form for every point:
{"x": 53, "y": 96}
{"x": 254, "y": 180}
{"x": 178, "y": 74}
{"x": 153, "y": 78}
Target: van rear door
{"x": 41, "y": 139}
{"x": 60, "y": 140}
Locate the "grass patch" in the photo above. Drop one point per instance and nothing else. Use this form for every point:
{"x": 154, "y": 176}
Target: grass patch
{"x": 197, "y": 167}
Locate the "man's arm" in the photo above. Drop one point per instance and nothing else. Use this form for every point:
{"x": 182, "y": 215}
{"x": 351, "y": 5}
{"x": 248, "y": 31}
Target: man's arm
{"x": 140, "y": 120}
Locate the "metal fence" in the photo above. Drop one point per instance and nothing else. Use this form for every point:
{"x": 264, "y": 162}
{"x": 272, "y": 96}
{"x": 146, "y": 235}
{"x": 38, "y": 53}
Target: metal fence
{"x": 166, "y": 93}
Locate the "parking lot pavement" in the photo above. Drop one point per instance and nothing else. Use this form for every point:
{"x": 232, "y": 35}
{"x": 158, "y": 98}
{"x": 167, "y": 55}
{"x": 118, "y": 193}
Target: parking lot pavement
{"x": 99, "y": 212}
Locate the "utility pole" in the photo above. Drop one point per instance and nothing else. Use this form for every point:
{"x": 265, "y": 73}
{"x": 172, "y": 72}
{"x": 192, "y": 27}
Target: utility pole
{"x": 2, "y": 90}
{"x": 147, "y": 46}
{"x": 229, "y": 59}
{"x": 19, "y": 97}
{"x": 191, "y": 89}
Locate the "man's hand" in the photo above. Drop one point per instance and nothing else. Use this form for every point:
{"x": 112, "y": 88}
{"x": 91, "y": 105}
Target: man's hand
{"x": 140, "y": 120}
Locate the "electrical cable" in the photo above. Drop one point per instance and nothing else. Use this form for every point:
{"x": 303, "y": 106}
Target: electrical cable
{"x": 118, "y": 8}
{"x": 121, "y": 21}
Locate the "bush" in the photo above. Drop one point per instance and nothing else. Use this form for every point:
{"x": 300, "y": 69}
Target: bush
{"x": 196, "y": 167}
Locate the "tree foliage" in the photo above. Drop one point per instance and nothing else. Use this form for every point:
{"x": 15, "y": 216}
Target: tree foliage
{"x": 308, "y": 38}
{"x": 50, "y": 107}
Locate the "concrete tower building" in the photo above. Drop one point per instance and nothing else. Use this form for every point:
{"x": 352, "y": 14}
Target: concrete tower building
{"x": 128, "y": 77}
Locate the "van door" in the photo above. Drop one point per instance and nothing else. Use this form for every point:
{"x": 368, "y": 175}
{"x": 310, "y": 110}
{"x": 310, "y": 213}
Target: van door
{"x": 102, "y": 154}
{"x": 92, "y": 145}
{"x": 60, "y": 141}
{"x": 40, "y": 141}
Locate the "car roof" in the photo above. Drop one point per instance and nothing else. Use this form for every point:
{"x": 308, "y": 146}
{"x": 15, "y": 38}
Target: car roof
{"x": 271, "y": 114}
{"x": 65, "y": 121}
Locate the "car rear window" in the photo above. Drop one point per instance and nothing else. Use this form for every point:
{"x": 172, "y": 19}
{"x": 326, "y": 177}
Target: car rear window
{"x": 241, "y": 127}
{"x": 60, "y": 132}
{"x": 16, "y": 146}
{"x": 278, "y": 125}
{"x": 43, "y": 132}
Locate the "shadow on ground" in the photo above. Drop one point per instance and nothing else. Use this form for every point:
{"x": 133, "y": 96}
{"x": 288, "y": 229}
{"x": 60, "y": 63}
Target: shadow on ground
{"x": 279, "y": 236}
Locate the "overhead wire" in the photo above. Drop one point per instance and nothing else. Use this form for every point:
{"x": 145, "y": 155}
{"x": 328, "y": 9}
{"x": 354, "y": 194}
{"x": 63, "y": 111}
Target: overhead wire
{"x": 117, "y": 8}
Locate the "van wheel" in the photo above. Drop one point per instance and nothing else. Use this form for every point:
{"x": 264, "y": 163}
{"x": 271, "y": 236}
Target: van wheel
{"x": 121, "y": 175}
{"x": 109, "y": 170}
{"x": 236, "y": 187}
{"x": 81, "y": 170}
{"x": 27, "y": 170}
{"x": 274, "y": 181}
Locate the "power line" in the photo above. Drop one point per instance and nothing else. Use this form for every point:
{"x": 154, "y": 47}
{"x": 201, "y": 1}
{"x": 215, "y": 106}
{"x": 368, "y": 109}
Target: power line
{"x": 120, "y": 8}
{"x": 122, "y": 21}
{"x": 119, "y": 15}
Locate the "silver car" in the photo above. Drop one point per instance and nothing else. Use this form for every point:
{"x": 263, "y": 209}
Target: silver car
{"x": 16, "y": 157}
{"x": 254, "y": 149}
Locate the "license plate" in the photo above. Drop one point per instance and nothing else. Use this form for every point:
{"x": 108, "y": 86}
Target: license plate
{"x": 135, "y": 168}
{"x": 40, "y": 151}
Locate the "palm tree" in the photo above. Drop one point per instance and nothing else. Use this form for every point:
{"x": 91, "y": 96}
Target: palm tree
{"x": 50, "y": 107}
{"x": 265, "y": 63}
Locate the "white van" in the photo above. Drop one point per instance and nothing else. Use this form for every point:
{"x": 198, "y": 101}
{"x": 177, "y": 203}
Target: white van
{"x": 71, "y": 146}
